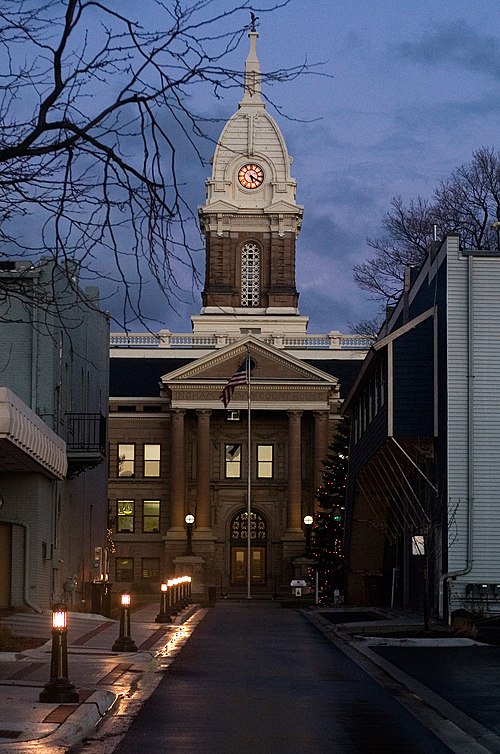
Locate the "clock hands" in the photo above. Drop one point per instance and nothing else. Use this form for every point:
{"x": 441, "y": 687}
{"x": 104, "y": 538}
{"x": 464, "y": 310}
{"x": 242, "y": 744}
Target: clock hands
{"x": 251, "y": 176}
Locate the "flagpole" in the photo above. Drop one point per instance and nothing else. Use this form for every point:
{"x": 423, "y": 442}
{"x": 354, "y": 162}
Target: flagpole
{"x": 249, "y": 480}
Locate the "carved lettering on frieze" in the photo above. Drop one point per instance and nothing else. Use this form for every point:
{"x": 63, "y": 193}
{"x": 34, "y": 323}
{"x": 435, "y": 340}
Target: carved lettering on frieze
{"x": 259, "y": 394}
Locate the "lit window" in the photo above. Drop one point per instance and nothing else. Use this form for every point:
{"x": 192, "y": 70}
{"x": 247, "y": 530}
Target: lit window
{"x": 151, "y": 460}
{"x": 233, "y": 461}
{"x": 151, "y": 516}
{"x": 264, "y": 461}
{"x": 124, "y": 569}
{"x": 250, "y": 275}
{"x": 150, "y": 569}
{"x": 125, "y": 517}
{"x": 126, "y": 459}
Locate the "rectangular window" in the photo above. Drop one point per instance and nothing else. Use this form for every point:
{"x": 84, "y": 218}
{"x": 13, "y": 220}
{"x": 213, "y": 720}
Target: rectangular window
{"x": 150, "y": 569}
{"x": 233, "y": 461}
{"x": 264, "y": 461}
{"x": 151, "y": 460}
{"x": 150, "y": 515}
{"x": 125, "y": 515}
{"x": 124, "y": 569}
{"x": 126, "y": 459}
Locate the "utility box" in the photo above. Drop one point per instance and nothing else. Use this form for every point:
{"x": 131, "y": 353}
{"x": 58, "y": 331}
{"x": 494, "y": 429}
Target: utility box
{"x": 297, "y": 586}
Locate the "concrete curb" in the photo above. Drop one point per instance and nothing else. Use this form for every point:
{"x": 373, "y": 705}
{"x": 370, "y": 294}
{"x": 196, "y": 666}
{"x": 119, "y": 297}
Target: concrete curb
{"x": 461, "y": 733}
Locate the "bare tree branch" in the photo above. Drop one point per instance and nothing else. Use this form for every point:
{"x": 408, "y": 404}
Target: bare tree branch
{"x": 95, "y": 112}
{"x": 467, "y": 203}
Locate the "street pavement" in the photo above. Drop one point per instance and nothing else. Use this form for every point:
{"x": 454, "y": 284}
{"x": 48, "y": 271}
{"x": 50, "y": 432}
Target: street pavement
{"x": 271, "y": 673}
{"x": 101, "y": 676}
{"x": 258, "y": 678}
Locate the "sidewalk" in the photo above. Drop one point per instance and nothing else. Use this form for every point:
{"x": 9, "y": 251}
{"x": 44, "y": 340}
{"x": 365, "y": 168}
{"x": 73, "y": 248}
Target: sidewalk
{"x": 100, "y": 675}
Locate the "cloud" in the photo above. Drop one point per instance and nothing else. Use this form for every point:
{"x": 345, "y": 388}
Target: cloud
{"x": 456, "y": 44}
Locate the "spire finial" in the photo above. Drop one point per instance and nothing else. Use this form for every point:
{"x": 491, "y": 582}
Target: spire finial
{"x": 251, "y": 95}
{"x": 253, "y": 21}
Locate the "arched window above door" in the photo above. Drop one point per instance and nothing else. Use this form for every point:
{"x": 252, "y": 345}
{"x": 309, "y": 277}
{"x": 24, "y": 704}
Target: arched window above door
{"x": 250, "y": 274}
{"x": 239, "y": 524}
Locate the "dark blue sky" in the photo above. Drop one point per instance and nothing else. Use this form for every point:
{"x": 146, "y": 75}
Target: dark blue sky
{"x": 412, "y": 90}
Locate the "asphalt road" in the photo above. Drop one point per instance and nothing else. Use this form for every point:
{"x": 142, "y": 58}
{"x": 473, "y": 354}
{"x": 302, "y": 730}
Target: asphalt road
{"x": 257, "y": 678}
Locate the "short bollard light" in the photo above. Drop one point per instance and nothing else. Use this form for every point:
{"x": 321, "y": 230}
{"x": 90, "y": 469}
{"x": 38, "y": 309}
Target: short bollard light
{"x": 164, "y": 614}
{"x": 176, "y": 583}
{"x": 186, "y": 590}
{"x": 59, "y": 690}
{"x": 124, "y": 643}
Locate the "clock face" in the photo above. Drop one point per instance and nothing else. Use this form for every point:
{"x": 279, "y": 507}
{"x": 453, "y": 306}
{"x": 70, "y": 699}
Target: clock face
{"x": 250, "y": 176}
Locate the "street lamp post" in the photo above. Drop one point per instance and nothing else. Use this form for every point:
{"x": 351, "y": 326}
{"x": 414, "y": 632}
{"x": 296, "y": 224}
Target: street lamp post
{"x": 308, "y": 522}
{"x": 59, "y": 690}
{"x": 189, "y": 519}
{"x": 124, "y": 643}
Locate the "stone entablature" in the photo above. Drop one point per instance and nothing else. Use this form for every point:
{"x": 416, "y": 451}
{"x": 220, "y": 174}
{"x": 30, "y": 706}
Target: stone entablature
{"x": 263, "y": 398}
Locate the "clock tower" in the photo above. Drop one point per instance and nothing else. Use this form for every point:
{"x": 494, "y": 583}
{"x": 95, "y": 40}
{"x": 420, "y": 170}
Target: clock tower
{"x": 250, "y": 221}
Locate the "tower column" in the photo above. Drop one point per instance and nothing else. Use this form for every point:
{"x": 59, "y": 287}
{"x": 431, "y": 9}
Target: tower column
{"x": 294, "y": 510}
{"x": 177, "y": 471}
{"x": 203, "y": 518}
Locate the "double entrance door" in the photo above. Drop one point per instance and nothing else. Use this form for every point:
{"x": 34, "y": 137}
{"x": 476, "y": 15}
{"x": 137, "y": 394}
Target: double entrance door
{"x": 239, "y": 561}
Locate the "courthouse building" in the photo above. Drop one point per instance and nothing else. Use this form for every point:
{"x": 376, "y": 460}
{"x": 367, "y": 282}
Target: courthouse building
{"x": 174, "y": 448}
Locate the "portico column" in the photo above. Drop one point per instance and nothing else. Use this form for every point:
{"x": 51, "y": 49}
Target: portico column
{"x": 320, "y": 448}
{"x": 294, "y": 512}
{"x": 203, "y": 518}
{"x": 177, "y": 470}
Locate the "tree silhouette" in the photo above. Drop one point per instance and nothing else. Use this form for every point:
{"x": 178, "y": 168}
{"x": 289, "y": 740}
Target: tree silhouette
{"x": 467, "y": 203}
{"x": 96, "y": 116}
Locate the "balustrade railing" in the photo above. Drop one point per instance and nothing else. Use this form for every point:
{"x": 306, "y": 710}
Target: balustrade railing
{"x": 166, "y": 339}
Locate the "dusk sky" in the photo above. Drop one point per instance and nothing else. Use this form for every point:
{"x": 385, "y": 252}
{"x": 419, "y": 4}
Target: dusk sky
{"x": 412, "y": 90}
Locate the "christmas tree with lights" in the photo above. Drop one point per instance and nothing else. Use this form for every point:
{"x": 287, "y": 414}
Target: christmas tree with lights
{"x": 328, "y": 528}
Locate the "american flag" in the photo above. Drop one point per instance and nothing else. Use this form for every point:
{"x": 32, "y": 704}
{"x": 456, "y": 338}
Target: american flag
{"x": 240, "y": 377}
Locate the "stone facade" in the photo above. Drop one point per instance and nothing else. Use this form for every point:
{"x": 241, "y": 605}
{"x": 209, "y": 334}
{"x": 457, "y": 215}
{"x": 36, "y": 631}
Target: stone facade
{"x": 261, "y": 456}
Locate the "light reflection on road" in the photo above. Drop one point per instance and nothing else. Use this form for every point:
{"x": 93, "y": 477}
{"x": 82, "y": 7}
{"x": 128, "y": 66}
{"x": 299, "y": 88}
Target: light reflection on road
{"x": 181, "y": 634}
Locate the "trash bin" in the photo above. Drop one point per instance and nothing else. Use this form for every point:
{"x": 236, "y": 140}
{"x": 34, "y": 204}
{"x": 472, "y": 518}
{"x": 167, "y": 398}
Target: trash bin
{"x": 101, "y": 598}
{"x": 212, "y": 595}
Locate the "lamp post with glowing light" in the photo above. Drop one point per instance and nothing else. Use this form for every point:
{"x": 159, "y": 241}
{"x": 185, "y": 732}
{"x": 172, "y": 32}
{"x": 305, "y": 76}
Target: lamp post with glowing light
{"x": 308, "y": 522}
{"x": 59, "y": 690}
{"x": 124, "y": 643}
{"x": 164, "y": 615}
{"x": 189, "y": 519}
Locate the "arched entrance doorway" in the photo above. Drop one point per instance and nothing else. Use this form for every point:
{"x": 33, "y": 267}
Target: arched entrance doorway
{"x": 239, "y": 548}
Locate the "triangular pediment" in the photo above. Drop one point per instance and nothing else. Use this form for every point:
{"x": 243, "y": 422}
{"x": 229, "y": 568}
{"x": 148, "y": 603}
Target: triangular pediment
{"x": 283, "y": 208}
{"x": 271, "y": 366}
{"x": 219, "y": 206}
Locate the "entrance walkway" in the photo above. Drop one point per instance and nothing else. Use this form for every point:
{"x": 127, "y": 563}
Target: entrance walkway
{"x": 257, "y": 678}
